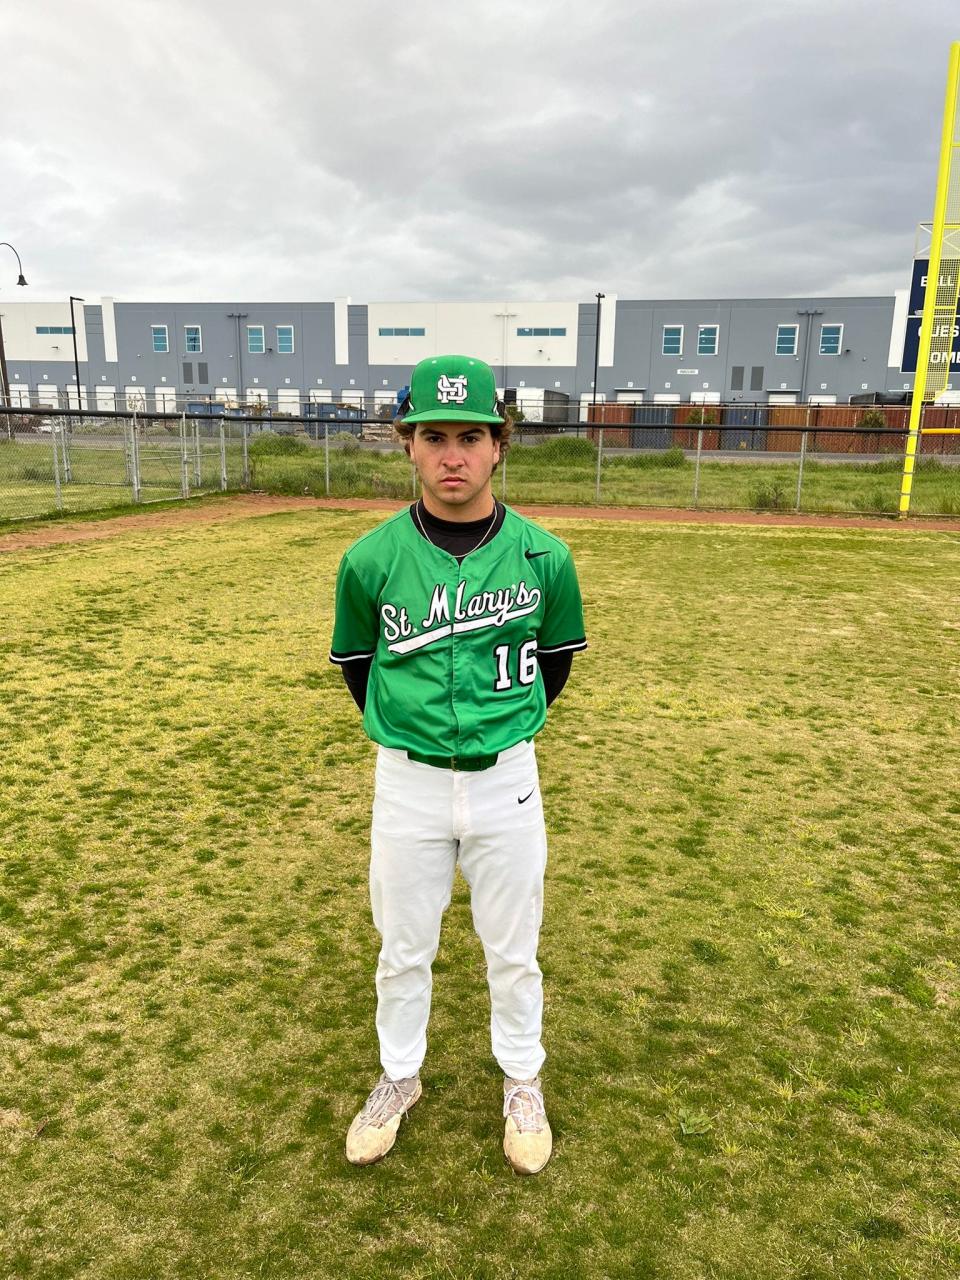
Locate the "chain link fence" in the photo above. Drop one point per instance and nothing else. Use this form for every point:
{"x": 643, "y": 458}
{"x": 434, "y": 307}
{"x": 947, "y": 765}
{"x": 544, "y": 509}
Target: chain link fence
{"x": 806, "y": 458}
{"x": 53, "y": 462}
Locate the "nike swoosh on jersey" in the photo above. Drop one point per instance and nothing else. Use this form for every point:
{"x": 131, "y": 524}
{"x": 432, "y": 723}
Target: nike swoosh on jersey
{"x": 532, "y": 555}
{"x": 526, "y": 797}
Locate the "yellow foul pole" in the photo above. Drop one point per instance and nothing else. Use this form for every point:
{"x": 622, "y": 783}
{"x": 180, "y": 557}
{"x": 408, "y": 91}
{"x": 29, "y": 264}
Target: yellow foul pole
{"x": 943, "y": 279}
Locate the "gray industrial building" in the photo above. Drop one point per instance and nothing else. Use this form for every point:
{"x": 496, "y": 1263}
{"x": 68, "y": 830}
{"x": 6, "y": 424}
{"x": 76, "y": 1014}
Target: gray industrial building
{"x": 291, "y": 356}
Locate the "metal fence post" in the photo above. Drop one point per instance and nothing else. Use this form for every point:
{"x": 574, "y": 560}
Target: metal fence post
{"x": 503, "y": 468}
{"x": 803, "y": 454}
{"x": 599, "y": 459}
{"x": 197, "y": 463}
{"x": 246, "y": 455}
{"x": 184, "y": 469}
{"x": 135, "y": 459}
{"x": 56, "y": 470}
{"x": 223, "y": 459}
{"x": 696, "y": 471}
{"x": 65, "y": 452}
{"x": 326, "y": 456}
{"x": 127, "y": 454}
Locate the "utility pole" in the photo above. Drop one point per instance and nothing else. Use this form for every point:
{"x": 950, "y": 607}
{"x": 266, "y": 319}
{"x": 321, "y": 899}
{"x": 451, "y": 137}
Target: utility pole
{"x": 596, "y": 355}
{"x": 76, "y": 359}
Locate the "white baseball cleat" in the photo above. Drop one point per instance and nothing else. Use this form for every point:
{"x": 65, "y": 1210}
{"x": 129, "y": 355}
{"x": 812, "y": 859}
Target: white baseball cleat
{"x": 527, "y": 1139}
{"x": 374, "y": 1128}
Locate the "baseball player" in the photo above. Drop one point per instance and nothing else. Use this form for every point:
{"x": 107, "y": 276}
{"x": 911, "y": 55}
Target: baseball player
{"x": 456, "y": 622}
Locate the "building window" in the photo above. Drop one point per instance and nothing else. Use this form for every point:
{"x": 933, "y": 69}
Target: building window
{"x": 54, "y": 328}
{"x": 787, "y": 339}
{"x": 672, "y": 340}
{"x": 541, "y": 333}
{"x": 256, "y": 344}
{"x": 402, "y": 333}
{"x": 192, "y": 337}
{"x": 285, "y": 339}
{"x": 708, "y": 336}
{"x": 831, "y": 335}
{"x": 161, "y": 343}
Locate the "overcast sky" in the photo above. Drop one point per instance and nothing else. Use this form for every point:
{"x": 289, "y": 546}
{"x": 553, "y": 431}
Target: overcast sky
{"x": 304, "y": 149}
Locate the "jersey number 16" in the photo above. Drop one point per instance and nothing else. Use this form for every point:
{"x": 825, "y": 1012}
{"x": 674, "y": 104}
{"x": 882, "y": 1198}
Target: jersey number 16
{"x": 526, "y": 665}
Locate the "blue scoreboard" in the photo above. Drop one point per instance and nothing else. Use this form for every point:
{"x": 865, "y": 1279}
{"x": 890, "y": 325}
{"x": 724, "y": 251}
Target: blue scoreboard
{"x": 911, "y": 340}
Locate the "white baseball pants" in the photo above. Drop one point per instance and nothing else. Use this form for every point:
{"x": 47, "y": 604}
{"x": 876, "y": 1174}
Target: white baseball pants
{"x": 425, "y": 821}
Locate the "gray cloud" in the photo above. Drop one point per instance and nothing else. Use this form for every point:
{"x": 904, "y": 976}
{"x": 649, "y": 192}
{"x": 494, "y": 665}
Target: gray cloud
{"x": 476, "y": 150}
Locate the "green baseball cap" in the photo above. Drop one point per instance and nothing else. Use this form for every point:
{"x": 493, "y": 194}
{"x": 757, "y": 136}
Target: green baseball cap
{"x": 453, "y": 389}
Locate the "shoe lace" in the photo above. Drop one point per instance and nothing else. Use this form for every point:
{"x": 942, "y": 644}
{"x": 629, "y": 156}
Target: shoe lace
{"x": 525, "y": 1103}
{"x": 385, "y": 1100}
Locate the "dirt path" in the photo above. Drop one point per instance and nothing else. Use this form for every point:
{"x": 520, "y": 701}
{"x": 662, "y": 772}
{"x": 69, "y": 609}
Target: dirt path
{"x": 241, "y": 507}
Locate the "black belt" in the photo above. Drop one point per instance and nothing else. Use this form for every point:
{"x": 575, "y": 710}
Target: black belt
{"x": 469, "y": 764}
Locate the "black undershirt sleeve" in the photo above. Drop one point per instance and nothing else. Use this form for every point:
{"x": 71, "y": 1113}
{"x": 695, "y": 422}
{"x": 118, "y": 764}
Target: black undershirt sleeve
{"x": 555, "y": 668}
{"x": 356, "y": 674}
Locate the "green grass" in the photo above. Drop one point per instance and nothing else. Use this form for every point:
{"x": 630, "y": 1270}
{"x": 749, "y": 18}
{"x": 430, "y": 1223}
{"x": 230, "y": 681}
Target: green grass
{"x": 558, "y": 471}
{"x": 100, "y": 475}
{"x": 749, "y": 946}
{"x": 543, "y": 474}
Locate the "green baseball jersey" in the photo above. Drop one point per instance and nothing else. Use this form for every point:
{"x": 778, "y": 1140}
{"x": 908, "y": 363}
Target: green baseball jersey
{"x": 454, "y": 646}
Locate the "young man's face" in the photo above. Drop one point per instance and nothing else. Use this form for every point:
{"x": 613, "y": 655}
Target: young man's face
{"x": 455, "y": 461}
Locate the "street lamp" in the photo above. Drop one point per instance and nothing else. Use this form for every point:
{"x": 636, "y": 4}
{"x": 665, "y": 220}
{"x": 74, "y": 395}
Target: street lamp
{"x": 596, "y": 356}
{"x": 4, "y": 380}
{"x": 76, "y": 359}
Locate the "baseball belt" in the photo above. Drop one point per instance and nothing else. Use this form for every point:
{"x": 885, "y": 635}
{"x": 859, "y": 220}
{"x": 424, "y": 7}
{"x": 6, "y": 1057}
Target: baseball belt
{"x": 469, "y": 764}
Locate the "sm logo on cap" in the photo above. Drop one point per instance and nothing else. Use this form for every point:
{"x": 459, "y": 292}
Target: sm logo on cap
{"x": 452, "y": 390}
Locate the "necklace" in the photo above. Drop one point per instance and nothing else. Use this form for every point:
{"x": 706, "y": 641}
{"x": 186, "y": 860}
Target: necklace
{"x": 489, "y": 530}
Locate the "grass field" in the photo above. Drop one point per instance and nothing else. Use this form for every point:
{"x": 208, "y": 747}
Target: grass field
{"x": 750, "y": 939}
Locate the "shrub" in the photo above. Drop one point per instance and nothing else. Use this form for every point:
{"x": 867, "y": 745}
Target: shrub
{"x": 269, "y": 445}
{"x": 702, "y": 418}
{"x": 769, "y": 497}
{"x": 347, "y": 441}
{"x": 562, "y": 449}
{"x": 873, "y": 419}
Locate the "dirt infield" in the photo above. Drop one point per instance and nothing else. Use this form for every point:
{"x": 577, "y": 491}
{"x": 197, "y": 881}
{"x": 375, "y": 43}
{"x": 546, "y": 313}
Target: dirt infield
{"x": 243, "y": 506}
